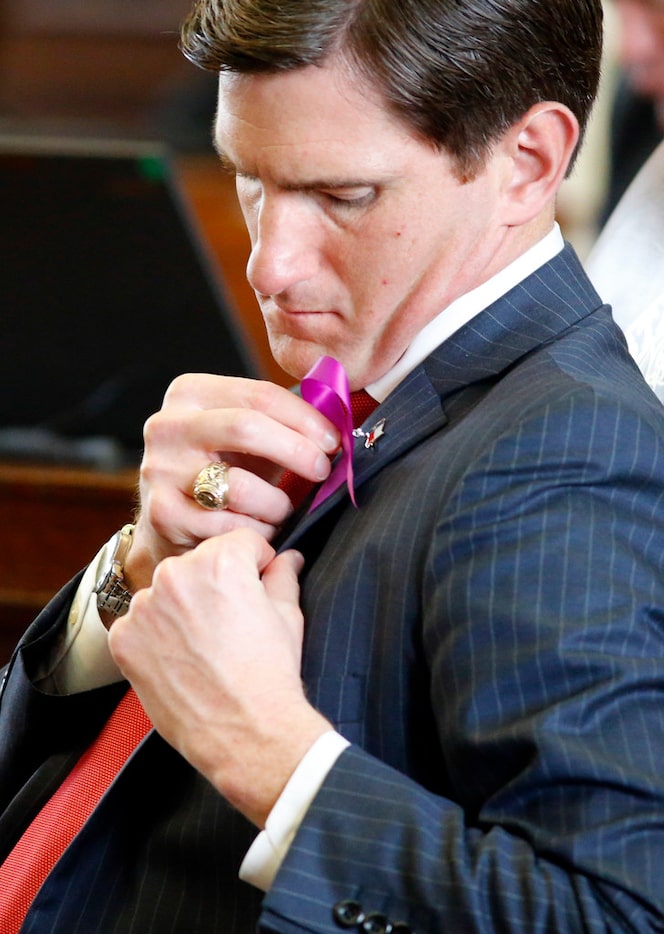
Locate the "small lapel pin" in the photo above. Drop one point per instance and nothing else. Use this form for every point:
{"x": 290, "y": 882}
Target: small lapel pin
{"x": 371, "y": 436}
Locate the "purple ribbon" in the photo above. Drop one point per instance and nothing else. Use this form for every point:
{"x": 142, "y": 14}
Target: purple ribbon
{"x": 326, "y": 388}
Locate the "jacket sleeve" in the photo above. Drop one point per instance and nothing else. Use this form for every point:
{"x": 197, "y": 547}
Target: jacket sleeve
{"x": 543, "y": 625}
{"x": 41, "y": 734}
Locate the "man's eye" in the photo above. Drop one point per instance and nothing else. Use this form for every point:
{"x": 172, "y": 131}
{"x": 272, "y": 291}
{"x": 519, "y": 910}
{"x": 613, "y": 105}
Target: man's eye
{"x": 350, "y": 197}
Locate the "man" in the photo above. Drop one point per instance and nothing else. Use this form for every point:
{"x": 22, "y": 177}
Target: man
{"x": 637, "y": 119}
{"x": 641, "y": 49}
{"x": 455, "y": 724}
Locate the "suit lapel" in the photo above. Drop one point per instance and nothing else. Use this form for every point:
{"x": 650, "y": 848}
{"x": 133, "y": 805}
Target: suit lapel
{"x": 536, "y": 311}
{"x": 411, "y": 413}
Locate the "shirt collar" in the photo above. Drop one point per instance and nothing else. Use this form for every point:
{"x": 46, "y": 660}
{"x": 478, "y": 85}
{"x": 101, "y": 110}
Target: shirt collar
{"x": 462, "y": 309}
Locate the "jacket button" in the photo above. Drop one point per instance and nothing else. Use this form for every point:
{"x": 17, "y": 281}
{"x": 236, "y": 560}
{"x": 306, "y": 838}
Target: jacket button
{"x": 347, "y": 914}
{"x": 376, "y": 923}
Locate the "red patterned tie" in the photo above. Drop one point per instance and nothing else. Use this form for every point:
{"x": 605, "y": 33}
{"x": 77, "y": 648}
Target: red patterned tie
{"x": 361, "y": 407}
{"x": 61, "y": 818}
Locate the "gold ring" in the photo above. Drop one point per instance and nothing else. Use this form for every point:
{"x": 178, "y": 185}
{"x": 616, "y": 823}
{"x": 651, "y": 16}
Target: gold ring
{"x": 211, "y": 486}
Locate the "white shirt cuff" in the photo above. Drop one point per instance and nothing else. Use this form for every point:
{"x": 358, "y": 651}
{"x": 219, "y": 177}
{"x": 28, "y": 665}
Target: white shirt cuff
{"x": 268, "y": 850}
{"x": 81, "y": 660}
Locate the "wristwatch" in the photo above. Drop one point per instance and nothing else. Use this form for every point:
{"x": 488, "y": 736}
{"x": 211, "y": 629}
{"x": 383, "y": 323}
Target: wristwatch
{"x": 112, "y": 597}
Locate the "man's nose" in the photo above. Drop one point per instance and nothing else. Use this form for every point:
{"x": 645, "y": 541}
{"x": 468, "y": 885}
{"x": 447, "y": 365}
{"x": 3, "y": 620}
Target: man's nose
{"x": 284, "y": 250}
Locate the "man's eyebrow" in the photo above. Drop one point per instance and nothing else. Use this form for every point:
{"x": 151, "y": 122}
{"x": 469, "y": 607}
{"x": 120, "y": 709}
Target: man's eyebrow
{"x": 331, "y": 183}
{"x": 314, "y": 184}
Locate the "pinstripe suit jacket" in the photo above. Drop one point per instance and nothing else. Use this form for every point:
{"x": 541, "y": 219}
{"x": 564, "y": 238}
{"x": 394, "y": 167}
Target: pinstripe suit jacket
{"x": 487, "y": 630}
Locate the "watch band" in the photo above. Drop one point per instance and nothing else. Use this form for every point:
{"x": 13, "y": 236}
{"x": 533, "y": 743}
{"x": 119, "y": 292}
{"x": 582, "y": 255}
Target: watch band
{"x": 112, "y": 596}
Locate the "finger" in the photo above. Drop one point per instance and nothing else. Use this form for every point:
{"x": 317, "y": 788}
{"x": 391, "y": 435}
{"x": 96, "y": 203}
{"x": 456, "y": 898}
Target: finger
{"x": 177, "y": 519}
{"x": 228, "y": 432}
{"x": 208, "y": 391}
{"x": 281, "y": 577}
{"x": 167, "y": 482}
{"x": 234, "y": 553}
{"x": 178, "y": 445}
{"x": 251, "y": 496}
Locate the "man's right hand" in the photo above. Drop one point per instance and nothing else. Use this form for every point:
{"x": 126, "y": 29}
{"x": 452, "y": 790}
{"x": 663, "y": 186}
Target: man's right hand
{"x": 256, "y": 427}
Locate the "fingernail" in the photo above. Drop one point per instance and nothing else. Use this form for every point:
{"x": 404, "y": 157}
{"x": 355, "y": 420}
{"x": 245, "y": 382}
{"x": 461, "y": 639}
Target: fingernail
{"x": 298, "y": 561}
{"x": 322, "y": 467}
{"x": 331, "y": 441}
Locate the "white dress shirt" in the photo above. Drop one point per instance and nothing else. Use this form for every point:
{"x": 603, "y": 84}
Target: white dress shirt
{"x": 81, "y": 659}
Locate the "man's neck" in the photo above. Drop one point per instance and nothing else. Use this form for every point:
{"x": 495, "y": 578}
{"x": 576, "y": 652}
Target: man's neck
{"x": 466, "y": 307}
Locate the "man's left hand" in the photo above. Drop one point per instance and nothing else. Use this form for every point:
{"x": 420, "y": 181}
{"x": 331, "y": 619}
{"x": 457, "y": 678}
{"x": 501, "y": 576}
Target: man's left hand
{"x": 213, "y": 650}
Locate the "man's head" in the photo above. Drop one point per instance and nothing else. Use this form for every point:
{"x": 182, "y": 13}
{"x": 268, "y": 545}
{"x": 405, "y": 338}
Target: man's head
{"x": 389, "y": 160}
{"x": 458, "y": 72}
{"x": 641, "y": 49}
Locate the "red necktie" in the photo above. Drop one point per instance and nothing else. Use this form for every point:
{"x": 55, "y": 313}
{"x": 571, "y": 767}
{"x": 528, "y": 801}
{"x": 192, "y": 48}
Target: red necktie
{"x": 61, "y": 818}
{"x": 361, "y": 407}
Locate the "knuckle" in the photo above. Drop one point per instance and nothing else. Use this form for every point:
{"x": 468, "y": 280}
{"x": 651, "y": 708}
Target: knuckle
{"x": 158, "y": 429}
{"x": 245, "y": 430}
{"x": 270, "y": 398}
{"x": 259, "y": 394}
{"x": 139, "y": 602}
{"x": 149, "y": 469}
{"x": 166, "y": 574}
{"x": 180, "y": 388}
{"x": 304, "y": 452}
{"x": 220, "y": 558}
{"x": 151, "y": 428}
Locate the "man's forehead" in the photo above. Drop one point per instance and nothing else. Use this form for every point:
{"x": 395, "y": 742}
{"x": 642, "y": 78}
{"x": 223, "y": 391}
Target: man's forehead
{"x": 307, "y": 112}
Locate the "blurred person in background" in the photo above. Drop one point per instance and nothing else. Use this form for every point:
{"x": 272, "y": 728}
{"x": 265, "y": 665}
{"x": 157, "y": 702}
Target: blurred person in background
{"x": 637, "y": 119}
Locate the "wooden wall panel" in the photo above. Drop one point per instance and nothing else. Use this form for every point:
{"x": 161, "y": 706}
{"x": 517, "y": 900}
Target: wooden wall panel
{"x": 98, "y": 67}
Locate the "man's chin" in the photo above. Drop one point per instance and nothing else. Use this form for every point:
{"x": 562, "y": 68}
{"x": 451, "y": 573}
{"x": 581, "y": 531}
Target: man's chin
{"x": 296, "y": 357}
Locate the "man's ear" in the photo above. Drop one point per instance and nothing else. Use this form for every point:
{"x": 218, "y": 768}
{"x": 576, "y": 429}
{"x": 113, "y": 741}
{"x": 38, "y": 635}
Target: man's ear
{"x": 539, "y": 148}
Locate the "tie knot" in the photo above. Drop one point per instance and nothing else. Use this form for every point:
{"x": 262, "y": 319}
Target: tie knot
{"x": 361, "y": 406}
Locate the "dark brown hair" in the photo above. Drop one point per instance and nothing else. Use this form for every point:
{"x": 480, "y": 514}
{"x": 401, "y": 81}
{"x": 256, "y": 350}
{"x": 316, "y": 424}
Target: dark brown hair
{"x": 457, "y": 72}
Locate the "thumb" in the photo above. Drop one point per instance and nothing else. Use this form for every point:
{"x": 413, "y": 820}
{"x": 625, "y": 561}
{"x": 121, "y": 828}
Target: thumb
{"x": 280, "y": 578}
